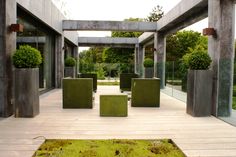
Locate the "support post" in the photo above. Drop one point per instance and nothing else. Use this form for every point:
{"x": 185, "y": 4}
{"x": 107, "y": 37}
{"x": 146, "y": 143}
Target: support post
{"x": 141, "y": 55}
{"x": 159, "y": 58}
{"x": 76, "y": 56}
{"x": 7, "y": 47}
{"x": 221, "y": 49}
{"x": 136, "y": 61}
{"x": 59, "y": 55}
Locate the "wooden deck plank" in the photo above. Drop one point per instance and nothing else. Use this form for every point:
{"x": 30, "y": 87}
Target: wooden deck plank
{"x": 207, "y": 137}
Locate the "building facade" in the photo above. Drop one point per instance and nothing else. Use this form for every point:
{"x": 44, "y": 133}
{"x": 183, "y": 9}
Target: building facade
{"x": 42, "y": 22}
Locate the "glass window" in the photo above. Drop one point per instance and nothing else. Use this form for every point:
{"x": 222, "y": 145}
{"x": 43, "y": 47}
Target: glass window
{"x": 37, "y": 36}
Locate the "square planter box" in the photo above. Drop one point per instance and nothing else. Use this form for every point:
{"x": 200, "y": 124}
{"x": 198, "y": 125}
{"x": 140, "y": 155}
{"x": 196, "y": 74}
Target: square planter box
{"x": 70, "y": 72}
{"x": 149, "y": 72}
{"x": 114, "y": 105}
{"x": 77, "y": 93}
{"x": 145, "y": 92}
{"x": 199, "y": 93}
{"x": 93, "y": 76}
{"x": 26, "y": 92}
{"x": 125, "y": 81}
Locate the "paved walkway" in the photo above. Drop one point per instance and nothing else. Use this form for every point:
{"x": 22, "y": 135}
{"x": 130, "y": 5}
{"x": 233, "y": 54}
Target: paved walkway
{"x": 20, "y": 137}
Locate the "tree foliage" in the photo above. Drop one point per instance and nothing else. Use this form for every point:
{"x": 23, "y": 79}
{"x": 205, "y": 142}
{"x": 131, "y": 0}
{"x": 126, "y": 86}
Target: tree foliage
{"x": 182, "y": 42}
{"x": 156, "y": 14}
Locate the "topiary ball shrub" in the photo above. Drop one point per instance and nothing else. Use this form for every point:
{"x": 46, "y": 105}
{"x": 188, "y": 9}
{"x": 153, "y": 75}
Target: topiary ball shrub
{"x": 27, "y": 57}
{"x": 70, "y": 62}
{"x": 148, "y": 62}
{"x": 199, "y": 60}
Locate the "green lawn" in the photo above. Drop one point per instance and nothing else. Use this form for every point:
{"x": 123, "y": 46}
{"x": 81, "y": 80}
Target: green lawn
{"x": 109, "y": 83}
{"x": 108, "y": 148}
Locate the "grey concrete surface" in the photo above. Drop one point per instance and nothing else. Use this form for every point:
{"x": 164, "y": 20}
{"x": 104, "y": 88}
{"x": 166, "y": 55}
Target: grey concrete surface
{"x": 160, "y": 58}
{"x": 199, "y": 93}
{"x": 26, "y": 92}
{"x": 107, "y": 41}
{"x": 146, "y": 37}
{"x": 7, "y": 47}
{"x": 59, "y": 60}
{"x": 182, "y": 15}
{"x": 49, "y": 14}
{"x": 109, "y": 26}
{"x": 221, "y": 49}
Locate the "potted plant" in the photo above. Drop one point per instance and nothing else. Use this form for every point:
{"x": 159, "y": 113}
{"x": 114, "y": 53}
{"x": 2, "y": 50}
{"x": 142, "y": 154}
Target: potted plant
{"x": 26, "y": 60}
{"x": 199, "y": 84}
{"x": 149, "y": 70}
{"x": 70, "y": 67}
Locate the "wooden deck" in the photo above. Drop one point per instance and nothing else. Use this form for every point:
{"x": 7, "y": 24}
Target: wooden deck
{"x": 20, "y": 137}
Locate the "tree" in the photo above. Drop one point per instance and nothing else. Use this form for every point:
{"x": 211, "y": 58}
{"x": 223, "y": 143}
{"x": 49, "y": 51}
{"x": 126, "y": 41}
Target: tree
{"x": 155, "y": 15}
{"x": 121, "y": 55}
{"x": 182, "y": 42}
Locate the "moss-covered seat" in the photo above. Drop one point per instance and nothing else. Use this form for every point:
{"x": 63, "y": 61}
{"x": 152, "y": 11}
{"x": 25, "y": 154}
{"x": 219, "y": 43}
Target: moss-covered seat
{"x": 125, "y": 81}
{"x": 93, "y": 76}
{"x": 145, "y": 92}
{"x": 114, "y": 105}
{"x": 77, "y": 93}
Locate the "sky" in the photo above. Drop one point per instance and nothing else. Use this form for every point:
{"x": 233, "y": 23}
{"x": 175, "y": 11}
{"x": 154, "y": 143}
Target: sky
{"x": 118, "y": 10}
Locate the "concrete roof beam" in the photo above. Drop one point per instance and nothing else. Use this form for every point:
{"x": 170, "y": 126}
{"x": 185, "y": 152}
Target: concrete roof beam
{"x": 80, "y": 25}
{"x": 108, "y": 42}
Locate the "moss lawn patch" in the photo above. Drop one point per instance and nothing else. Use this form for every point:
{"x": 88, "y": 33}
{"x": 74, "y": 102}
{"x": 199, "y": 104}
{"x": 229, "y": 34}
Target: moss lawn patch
{"x": 108, "y": 148}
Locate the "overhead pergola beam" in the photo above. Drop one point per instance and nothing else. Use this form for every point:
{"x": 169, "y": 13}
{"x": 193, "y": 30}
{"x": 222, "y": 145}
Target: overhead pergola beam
{"x": 81, "y": 25}
{"x": 184, "y": 14}
{"x": 107, "y": 42}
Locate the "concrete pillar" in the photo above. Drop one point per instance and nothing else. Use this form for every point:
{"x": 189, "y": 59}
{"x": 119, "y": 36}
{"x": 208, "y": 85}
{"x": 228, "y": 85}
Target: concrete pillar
{"x": 136, "y": 61}
{"x": 160, "y": 57}
{"x": 221, "y": 49}
{"x": 76, "y": 56}
{"x": 59, "y": 60}
{"x": 141, "y": 55}
{"x": 7, "y": 47}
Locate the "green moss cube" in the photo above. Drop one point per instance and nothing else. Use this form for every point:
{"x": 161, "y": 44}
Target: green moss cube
{"x": 145, "y": 93}
{"x": 77, "y": 93}
{"x": 114, "y": 105}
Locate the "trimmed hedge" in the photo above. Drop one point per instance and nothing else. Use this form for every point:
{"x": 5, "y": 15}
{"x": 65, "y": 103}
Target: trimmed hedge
{"x": 148, "y": 62}
{"x": 199, "y": 60}
{"x": 70, "y": 62}
{"x": 27, "y": 57}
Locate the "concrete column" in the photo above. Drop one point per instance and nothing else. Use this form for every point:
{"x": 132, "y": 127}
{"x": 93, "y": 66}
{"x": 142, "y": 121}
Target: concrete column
{"x": 76, "y": 56}
{"x": 7, "y": 47}
{"x": 59, "y": 60}
{"x": 221, "y": 49}
{"x": 141, "y": 55}
{"x": 136, "y": 61}
{"x": 160, "y": 57}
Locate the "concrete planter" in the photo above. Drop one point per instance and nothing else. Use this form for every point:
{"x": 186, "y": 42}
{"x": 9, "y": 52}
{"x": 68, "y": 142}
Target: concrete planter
{"x": 199, "y": 93}
{"x": 93, "y": 76}
{"x": 149, "y": 72}
{"x": 26, "y": 92}
{"x": 70, "y": 72}
{"x": 125, "y": 81}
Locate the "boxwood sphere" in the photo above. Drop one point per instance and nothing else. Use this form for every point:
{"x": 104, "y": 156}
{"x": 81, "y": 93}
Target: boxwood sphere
{"x": 148, "y": 62}
{"x": 70, "y": 62}
{"x": 199, "y": 60}
{"x": 27, "y": 57}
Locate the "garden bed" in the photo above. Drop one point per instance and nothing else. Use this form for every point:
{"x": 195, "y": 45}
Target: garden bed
{"x": 108, "y": 148}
